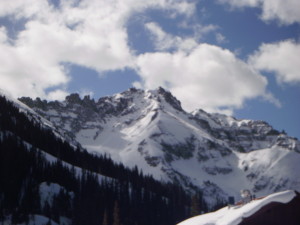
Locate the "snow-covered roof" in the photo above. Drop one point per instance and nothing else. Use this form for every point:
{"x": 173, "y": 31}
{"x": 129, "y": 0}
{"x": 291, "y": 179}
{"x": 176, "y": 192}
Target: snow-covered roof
{"x": 234, "y": 215}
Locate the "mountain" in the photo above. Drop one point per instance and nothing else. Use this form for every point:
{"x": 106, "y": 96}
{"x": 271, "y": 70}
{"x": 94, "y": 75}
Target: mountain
{"x": 45, "y": 179}
{"x": 275, "y": 209}
{"x": 214, "y": 153}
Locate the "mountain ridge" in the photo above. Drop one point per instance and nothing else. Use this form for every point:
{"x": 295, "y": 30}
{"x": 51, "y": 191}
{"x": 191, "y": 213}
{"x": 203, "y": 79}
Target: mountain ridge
{"x": 198, "y": 150}
{"x": 44, "y": 178}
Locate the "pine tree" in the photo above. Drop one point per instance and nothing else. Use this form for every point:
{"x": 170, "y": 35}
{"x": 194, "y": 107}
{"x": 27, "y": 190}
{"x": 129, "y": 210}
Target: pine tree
{"x": 195, "y": 206}
{"x": 105, "y": 218}
{"x": 116, "y": 215}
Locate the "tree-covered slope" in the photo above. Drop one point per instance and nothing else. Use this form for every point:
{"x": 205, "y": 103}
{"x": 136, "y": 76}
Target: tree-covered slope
{"x": 43, "y": 175}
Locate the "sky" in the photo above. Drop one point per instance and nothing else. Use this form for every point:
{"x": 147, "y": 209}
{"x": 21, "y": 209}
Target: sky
{"x": 239, "y": 57}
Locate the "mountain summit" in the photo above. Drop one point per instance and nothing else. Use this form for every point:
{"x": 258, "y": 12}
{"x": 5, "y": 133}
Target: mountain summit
{"x": 215, "y": 153}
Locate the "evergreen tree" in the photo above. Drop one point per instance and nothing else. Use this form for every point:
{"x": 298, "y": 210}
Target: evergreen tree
{"x": 195, "y": 205}
{"x": 105, "y": 218}
{"x": 116, "y": 214}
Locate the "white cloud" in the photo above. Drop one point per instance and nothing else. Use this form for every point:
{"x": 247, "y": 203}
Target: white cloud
{"x": 209, "y": 77}
{"x": 241, "y": 3}
{"x": 220, "y": 38}
{"x": 168, "y": 42}
{"x": 282, "y": 58}
{"x": 89, "y": 33}
{"x": 286, "y": 12}
{"x": 200, "y": 30}
{"x": 3, "y": 35}
{"x": 92, "y": 34}
{"x": 165, "y": 41}
{"x": 57, "y": 95}
{"x": 24, "y": 72}
{"x": 23, "y": 9}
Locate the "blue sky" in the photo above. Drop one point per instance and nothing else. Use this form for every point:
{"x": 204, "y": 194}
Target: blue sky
{"x": 239, "y": 57}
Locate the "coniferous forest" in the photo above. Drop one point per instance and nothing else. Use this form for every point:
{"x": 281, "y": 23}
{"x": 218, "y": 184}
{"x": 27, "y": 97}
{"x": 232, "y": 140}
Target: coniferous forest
{"x": 92, "y": 189}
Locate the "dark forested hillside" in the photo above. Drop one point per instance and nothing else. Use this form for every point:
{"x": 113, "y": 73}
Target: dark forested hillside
{"x": 92, "y": 189}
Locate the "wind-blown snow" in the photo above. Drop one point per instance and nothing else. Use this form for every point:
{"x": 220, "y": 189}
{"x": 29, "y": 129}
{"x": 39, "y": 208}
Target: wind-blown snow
{"x": 234, "y": 215}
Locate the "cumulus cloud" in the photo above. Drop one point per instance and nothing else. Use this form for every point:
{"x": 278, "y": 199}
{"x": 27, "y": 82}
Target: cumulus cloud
{"x": 88, "y": 33}
{"x": 200, "y": 30}
{"x": 20, "y": 74}
{"x": 282, "y": 58}
{"x": 59, "y": 95}
{"x": 165, "y": 41}
{"x": 23, "y": 9}
{"x": 209, "y": 77}
{"x": 286, "y": 12}
{"x": 93, "y": 34}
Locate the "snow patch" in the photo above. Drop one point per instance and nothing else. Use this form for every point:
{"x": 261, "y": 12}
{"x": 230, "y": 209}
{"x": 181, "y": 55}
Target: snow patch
{"x": 233, "y": 215}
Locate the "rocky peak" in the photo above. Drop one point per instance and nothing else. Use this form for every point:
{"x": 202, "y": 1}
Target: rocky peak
{"x": 134, "y": 99}
{"x": 114, "y": 105}
{"x": 86, "y": 102}
{"x": 73, "y": 98}
{"x": 38, "y": 103}
{"x": 87, "y": 99}
{"x": 169, "y": 98}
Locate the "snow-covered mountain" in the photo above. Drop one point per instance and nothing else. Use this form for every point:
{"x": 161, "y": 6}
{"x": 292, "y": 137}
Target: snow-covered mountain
{"x": 44, "y": 179}
{"x": 218, "y": 154}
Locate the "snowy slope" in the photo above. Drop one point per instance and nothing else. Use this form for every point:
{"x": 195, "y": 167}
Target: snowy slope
{"x": 235, "y": 215}
{"x": 40, "y": 220}
{"x": 219, "y": 154}
{"x": 38, "y": 119}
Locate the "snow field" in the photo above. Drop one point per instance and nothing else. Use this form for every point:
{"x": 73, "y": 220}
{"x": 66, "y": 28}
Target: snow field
{"x": 234, "y": 215}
